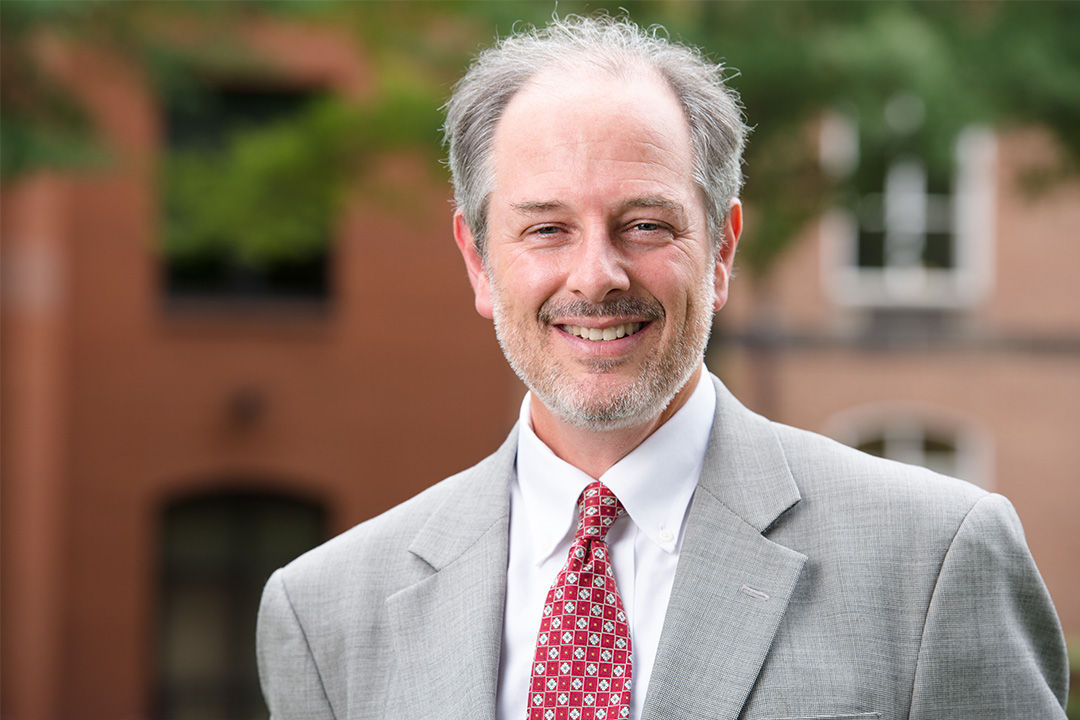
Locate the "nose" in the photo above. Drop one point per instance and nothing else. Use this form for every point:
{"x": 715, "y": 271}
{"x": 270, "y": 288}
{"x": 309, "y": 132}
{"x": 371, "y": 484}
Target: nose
{"x": 597, "y": 271}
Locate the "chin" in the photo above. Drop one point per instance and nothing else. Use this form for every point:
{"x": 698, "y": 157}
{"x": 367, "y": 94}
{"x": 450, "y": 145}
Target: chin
{"x": 633, "y": 406}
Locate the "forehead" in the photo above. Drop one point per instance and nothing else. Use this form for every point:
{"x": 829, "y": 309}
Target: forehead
{"x": 576, "y": 126}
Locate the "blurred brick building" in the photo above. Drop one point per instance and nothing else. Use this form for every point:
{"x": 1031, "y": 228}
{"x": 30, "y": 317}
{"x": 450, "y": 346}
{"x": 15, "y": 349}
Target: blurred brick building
{"x": 163, "y": 451}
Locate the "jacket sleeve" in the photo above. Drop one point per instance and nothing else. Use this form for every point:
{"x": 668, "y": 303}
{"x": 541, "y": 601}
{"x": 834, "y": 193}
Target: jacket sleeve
{"x": 992, "y": 645}
{"x": 290, "y": 679}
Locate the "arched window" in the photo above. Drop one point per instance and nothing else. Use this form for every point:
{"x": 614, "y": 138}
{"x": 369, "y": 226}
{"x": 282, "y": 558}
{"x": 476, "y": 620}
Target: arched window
{"x": 917, "y": 436}
{"x": 217, "y": 551}
{"x": 912, "y": 443}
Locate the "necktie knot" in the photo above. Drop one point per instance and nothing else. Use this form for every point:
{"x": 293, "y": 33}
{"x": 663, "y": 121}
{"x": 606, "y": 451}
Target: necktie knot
{"x": 599, "y": 510}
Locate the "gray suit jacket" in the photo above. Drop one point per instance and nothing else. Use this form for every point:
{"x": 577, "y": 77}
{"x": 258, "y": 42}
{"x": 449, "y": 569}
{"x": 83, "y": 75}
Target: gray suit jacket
{"x": 814, "y": 582}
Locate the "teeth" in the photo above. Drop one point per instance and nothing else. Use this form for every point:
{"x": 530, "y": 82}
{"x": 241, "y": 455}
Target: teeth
{"x": 608, "y": 333}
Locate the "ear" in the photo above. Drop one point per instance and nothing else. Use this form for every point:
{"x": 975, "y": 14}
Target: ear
{"x": 474, "y": 264}
{"x": 725, "y": 258}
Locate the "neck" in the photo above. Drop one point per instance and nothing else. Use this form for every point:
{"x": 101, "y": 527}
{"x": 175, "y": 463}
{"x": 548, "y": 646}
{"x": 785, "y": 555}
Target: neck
{"x": 595, "y": 451}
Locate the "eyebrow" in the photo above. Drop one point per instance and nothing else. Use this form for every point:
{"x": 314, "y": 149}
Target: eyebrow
{"x": 652, "y": 201}
{"x": 536, "y": 207}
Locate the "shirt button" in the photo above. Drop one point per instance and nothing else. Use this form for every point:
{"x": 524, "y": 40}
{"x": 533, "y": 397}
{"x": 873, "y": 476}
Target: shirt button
{"x": 666, "y": 536}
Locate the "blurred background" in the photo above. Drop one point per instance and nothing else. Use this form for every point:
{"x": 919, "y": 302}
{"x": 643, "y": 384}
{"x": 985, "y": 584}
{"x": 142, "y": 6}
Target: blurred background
{"x": 230, "y": 293}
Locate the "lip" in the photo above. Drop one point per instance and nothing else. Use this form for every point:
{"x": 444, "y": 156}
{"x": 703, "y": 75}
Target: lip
{"x": 602, "y": 333}
{"x": 617, "y": 346}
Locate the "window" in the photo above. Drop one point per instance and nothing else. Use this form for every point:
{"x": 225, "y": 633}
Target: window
{"x": 916, "y": 436}
{"x": 217, "y": 552}
{"x": 911, "y": 444}
{"x": 246, "y": 216}
{"x": 910, "y": 236}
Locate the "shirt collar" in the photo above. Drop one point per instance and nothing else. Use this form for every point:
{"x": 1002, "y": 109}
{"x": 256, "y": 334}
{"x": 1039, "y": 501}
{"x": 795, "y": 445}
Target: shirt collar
{"x": 654, "y": 482}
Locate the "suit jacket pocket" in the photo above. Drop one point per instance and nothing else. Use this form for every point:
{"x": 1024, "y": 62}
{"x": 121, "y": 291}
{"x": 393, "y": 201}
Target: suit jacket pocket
{"x": 857, "y": 716}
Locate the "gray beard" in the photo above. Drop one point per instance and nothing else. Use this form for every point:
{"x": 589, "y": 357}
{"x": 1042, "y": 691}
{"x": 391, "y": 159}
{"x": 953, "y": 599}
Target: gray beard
{"x": 660, "y": 379}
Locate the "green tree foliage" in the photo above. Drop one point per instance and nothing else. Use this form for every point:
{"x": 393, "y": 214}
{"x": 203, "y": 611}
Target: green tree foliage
{"x": 277, "y": 187}
{"x": 988, "y": 63}
{"x": 43, "y": 123}
{"x": 273, "y": 193}
{"x": 978, "y": 61}
{"x": 268, "y": 193}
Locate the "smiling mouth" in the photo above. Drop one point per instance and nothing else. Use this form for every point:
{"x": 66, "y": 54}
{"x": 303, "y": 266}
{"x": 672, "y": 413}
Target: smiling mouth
{"x": 603, "y": 334}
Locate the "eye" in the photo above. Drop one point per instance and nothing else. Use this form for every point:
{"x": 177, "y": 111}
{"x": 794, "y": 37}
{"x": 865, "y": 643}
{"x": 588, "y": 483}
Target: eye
{"x": 546, "y": 233}
{"x": 648, "y": 231}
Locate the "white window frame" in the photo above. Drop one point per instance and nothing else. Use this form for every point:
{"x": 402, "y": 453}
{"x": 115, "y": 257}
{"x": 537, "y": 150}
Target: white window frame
{"x": 909, "y": 212}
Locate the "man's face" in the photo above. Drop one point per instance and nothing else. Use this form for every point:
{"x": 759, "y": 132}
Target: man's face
{"x": 600, "y": 274}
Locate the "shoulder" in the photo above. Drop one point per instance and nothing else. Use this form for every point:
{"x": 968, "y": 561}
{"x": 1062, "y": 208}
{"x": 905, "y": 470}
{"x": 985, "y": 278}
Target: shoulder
{"x": 823, "y": 466}
{"x": 887, "y": 512}
{"x": 374, "y": 555}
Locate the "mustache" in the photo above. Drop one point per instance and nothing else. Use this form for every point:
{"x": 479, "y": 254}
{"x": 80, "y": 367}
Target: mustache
{"x": 645, "y": 309}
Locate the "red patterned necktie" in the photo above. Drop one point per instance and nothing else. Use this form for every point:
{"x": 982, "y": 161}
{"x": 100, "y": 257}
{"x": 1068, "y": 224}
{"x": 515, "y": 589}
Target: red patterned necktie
{"x": 581, "y": 670}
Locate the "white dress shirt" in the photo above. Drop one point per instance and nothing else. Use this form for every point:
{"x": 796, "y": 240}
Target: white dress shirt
{"x": 654, "y": 482}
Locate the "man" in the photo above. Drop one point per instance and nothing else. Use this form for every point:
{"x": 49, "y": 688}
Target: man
{"x": 723, "y": 566}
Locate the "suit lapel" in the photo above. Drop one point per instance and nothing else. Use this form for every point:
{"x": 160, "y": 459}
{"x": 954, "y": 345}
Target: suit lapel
{"x": 733, "y": 584}
{"x": 447, "y": 628}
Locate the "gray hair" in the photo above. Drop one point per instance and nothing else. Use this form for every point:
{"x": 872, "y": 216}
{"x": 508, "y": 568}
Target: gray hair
{"x": 618, "y": 46}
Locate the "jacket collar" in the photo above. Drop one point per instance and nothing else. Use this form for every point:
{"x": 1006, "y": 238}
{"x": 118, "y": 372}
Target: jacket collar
{"x": 745, "y": 465}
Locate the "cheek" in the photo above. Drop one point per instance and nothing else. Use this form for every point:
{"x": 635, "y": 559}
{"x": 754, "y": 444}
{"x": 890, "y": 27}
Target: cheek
{"x": 675, "y": 285}
{"x": 531, "y": 279}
